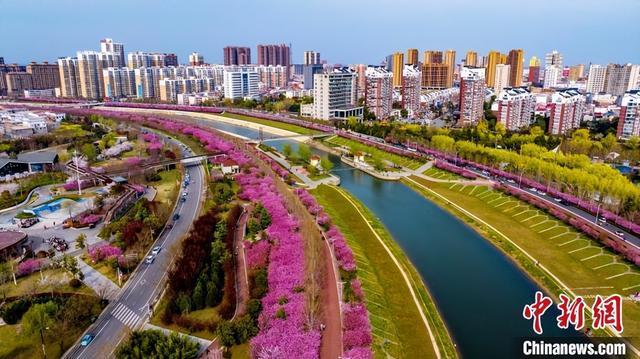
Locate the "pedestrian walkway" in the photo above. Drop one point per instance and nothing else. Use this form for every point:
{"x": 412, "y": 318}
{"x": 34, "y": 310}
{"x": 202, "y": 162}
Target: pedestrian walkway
{"x": 95, "y": 280}
{"x": 126, "y": 316}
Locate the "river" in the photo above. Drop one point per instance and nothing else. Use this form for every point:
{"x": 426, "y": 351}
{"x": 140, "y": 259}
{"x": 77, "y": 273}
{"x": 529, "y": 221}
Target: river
{"x": 479, "y": 292}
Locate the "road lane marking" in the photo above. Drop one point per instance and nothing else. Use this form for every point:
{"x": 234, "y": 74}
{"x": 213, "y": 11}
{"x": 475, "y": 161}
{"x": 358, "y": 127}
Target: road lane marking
{"x": 125, "y": 315}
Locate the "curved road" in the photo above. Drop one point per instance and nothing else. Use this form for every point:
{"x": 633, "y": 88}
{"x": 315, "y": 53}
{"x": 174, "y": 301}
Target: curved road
{"x": 129, "y": 311}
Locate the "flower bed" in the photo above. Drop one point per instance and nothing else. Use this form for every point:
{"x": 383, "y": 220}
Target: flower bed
{"x": 356, "y": 330}
{"x": 104, "y": 252}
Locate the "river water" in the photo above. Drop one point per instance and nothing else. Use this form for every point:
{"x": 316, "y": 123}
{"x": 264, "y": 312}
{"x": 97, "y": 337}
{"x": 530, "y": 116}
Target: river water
{"x": 479, "y": 292}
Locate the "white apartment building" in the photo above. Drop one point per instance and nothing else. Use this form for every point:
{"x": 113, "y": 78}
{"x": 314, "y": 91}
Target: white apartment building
{"x": 516, "y": 106}
{"x": 107, "y": 45}
{"x": 119, "y": 82}
{"x": 334, "y": 95}
{"x": 501, "y": 78}
{"x": 241, "y": 84}
{"x": 472, "y": 94}
{"x": 90, "y": 64}
{"x": 410, "y": 89}
{"x": 553, "y": 58}
{"x": 196, "y": 59}
{"x": 552, "y": 75}
{"x": 69, "y": 84}
{"x": 566, "y": 111}
{"x": 378, "y": 91}
{"x": 629, "y": 123}
{"x": 596, "y": 79}
{"x": 311, "y": 58}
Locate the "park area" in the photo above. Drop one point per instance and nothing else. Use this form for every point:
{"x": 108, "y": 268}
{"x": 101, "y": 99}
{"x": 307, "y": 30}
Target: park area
{"x": 375, "y": 153}
{"x": 585, "y": 266}
{"x": 395, "y": 318}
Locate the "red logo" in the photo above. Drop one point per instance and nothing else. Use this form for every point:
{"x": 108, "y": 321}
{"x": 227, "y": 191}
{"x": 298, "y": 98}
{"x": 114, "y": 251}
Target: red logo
{"x": 571, "y": 312}
{"x": 536, "y": 310}
{"x": 608, "y": 311}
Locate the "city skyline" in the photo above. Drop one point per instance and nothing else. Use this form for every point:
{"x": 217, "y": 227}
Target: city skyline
{"x": 359, "y": 44}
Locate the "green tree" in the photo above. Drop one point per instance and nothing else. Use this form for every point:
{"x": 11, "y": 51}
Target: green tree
{"x": 226, "y": 333}
{"x": 80, "y": 241}
{"x": 378, "y": 164}
{"x": 326, "y": 164}
{"x": 38, "y": 319}
{"x": 286, "y": 150}
{"x": 608, "y": 142}
{"x": 155, "y": 344}
{"x": 89, "y": 151}
{"x": 304, "y": 151}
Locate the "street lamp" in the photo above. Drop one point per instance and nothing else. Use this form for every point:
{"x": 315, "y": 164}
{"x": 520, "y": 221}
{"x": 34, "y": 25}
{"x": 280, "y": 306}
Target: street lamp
{"x": 44, "y": 350}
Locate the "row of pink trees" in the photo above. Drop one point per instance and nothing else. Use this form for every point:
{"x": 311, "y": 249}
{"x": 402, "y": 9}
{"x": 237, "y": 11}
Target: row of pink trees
{"x": 356, "y": 329}
{"x": 104, "y": 252}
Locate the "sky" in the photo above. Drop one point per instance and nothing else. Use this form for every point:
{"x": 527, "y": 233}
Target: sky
{"x": 343, "y": 31}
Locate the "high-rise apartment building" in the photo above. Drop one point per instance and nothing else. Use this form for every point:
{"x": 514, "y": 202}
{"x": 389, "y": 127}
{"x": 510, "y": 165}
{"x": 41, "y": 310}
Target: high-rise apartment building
{"x": 434, "y": 76}
{"x": 241, "y": 83}
{"x": 107, "y": 45}
{"x": 493, "y": 59}
{"x": 472, "y": 93}
{"x": 621, "y": 78}
{"x": 274, "y": 55}
{"x": 170, "y": 59}
{"x": 576, "y": 72}
{"x": 553, "y": 58}
{"x": 629, "y": 122}
{"x": 432, "y": 57}
{"x": 534, "y": 70}
{"x": 397, "y": 68}
{"x": 17, "y": 82}
{"x": 596, "y": 79}
{"x": 236, "y": 55}
{"x": 150, "y": 59}
{"x": 450, "y": 61}
{"x": 412, "y": 57}
{"x": 410, "y": 90}
{"x": 515, "y": 60}
{"x": 119, "y": 82}
{"x": 90, "y": 65}
{"x": 566, "y": 111}
{"x": 44, "y": 76}
{"x": 311, "y": 58}
{"x": 69, "y": 77}
{"x": 334, "y": 95}
{"x": 196, "y": 59}
{"x": 272, "y": 77}
{"x": 471, "y": 59}
{"x": 378, "y": 92}
{"x": 503, "y": 74}
{"x": 552, "y": 75}
{"x": 516, "y": 106}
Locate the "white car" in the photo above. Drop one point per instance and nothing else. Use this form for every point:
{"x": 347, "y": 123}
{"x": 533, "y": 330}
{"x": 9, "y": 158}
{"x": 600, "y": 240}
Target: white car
{"x": 156, "y": 250}
{"x": 542, "y": 193}
{"x": 533, "y": 189}
{"x": 620, "y": 234}
{"x": 149, "y": 259}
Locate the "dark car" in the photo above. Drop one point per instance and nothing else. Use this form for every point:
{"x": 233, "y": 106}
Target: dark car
{"x": 176, "y": 217}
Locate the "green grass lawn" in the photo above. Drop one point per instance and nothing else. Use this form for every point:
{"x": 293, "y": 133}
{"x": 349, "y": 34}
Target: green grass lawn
{"x": 206, "y": 314}
{"x": 16, "y": 345}
{"x": 54, "y": 279}
{"x": 397, "y": 159}
{"x": 168, "y": 187}
{"x": 242, "y": 351}
{"x": 105, "y": 269}
{"x": 585, "y": 266}
{"x": 281, "y": 125}
{"x": 397, "y": 328}
{"x": 441, "y": 174}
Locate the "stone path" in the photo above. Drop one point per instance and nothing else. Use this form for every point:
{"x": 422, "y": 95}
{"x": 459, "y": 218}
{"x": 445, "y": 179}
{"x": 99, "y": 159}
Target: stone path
{"x": 97, "y": 281}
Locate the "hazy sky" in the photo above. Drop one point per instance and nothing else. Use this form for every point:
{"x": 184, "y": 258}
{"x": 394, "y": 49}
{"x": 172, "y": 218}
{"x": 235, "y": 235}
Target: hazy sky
{"x": 344, "y": 31}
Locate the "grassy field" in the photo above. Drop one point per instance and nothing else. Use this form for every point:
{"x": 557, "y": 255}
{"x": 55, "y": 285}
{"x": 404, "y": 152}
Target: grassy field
{"x": 395, "y": 318}
{"x": 206, "y": 314}
{"x": 242, "y": 351}
{"x": 397, "y": 159}
{"x": 54, "y": 279}
{"x": 281, "y": 125}
{"x": 16, "y": 345}
{"x": 168, "y": 187}
{"x": 585, "y": 266}
{"x": 441, "y": 174}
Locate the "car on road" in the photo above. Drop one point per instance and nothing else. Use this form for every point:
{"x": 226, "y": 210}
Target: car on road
{"x": 184, "y": 194}
{"x": 150, "y": 259}
{"x": 533, "y": 189}
{"x": 156, "y": 250}
{"x": 88, "y": 338}
{"x": 620, "y": 234}
{"x": 602, "y": 220}
{"x": 511, "y": 181}
{"x": 170, "y": 225}
{"x": 559, "y": 200}
{"x": 542, "y": 193}
{"x": 183, "y": 199}
{"x": 176, "y": 217}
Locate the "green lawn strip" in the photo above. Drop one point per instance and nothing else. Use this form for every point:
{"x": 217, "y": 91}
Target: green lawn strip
{"x": 397, "y": 159}
{"x": 17, "y": 345}
{"x": 393, "y": 313}
{"x": 440, "y": 174}
{"x": 242, "y": 351}
{"x": 203, "y": 315}
{"x": 281, "y": 125}
{"x": 569, "y": 256}
{"x": 105, "y": 269}
{"x": 33, "y": 284}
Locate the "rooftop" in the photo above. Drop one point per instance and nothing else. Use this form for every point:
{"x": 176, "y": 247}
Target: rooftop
{"x": 10, "y": 238}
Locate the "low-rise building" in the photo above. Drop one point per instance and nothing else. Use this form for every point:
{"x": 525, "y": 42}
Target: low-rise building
{"x": 22, "y": 124}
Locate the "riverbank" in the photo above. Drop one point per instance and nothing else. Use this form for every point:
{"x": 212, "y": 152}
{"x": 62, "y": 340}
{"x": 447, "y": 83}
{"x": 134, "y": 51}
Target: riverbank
{"x": 548, "y": 251}
{"x": 395, "y": 305}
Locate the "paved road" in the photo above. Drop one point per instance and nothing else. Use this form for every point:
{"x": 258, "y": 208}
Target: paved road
{"x": 129, "y": 311}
